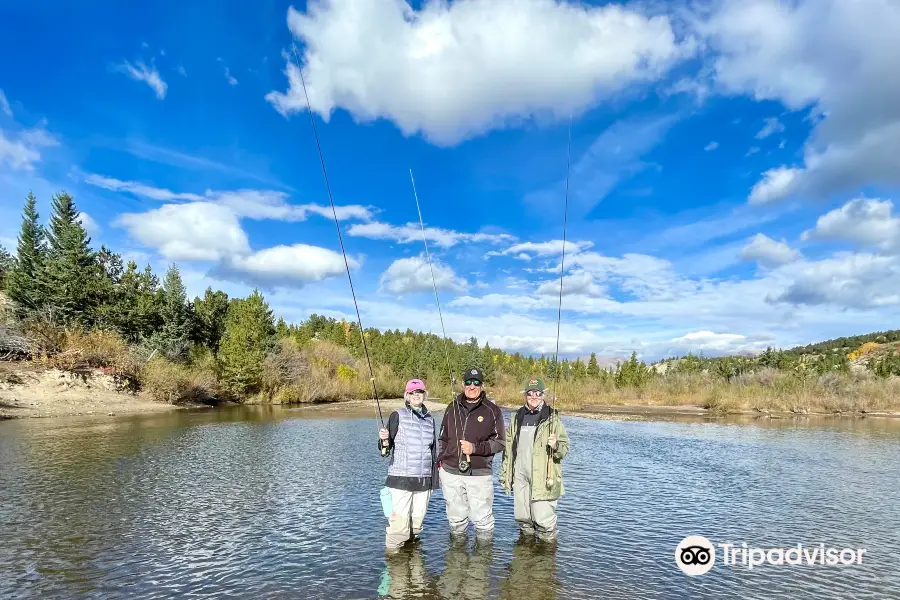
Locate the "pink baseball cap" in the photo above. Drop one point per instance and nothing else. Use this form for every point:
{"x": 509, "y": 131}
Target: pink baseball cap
{"x": 414, "y": 384}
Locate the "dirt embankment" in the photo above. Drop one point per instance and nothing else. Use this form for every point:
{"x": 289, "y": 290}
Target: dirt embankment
{"x": 31, "y": 391}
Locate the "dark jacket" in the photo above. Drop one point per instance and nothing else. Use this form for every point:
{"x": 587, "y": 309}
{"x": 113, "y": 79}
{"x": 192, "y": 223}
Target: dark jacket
{"x": 410, "y": 484}
{"x": 482, "y": 424}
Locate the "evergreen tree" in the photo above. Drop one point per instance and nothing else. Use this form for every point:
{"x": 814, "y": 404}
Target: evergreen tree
{"x": 110, "y": 285}
{"x": 173, "y": 337}
{"x": 72, "y": 274}
{"x": 136, "y": 312}
{"x": 249, "y": 330}
{"x": 593, "y": 368}
{"x": 24, "y": 284}
{"x": 7, "y": 264}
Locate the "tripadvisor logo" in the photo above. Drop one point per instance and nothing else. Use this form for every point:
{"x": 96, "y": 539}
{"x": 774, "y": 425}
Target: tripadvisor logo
{"x": 696, "y": 555}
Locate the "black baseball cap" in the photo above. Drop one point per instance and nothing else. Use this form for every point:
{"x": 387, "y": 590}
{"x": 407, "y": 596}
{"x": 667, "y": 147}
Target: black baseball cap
{"x": 473, "y": 373}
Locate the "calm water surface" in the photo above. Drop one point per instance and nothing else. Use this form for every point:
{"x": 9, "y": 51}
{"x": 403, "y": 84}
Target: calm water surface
{"x": 279, "y": 503}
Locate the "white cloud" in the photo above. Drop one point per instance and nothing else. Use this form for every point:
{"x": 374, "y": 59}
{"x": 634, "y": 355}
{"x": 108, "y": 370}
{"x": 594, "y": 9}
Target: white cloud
{"x": 149, "y": 75}
{"x": 580, "y": 283}
{"x": 529, "y": 250}
{"x": 138, "y": 189}
{"x": 414, "y": 275}
{"x": 865, "y": 221}
{"x": 247, "y": 203}
{"x": 193, "y": 231}
{"x": 711, "y": 146}
{"x": 21, "y": 151}
{"x": 775, "y": 185}
{"x": 412, "y": 232}
{"x": 4, "y": 105}
{"x": 769, "y": 252}
{"x": 846, "y": 280}
{"x": 457, "y": 70}
{"x": 229, "y": 77}
{"x": 89, "y": 224}
{"x": 181, "y": 71}
{"x": 772, "y": 125}
{"x": 283, "y": 266}
{"x": 836, "y": 58}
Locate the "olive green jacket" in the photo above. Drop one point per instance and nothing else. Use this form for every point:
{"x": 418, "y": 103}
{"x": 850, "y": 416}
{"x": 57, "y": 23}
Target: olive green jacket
{"x": 539, "y": 489}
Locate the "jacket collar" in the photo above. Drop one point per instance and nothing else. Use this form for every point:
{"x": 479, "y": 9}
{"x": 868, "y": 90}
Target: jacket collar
{"x": 463, "y": 401}
{"x": 422, "y": 413}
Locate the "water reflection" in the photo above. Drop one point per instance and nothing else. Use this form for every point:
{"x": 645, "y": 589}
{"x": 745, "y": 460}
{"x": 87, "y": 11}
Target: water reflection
{"x": 532, "y": 572}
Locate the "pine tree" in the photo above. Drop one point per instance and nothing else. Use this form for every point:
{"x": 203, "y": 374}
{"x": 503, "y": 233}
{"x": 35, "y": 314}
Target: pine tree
{"x": 173, "y": 337}
{"x": 249, "y": 330}
{"x": 7, "y": 264}
{"x": 72, "y": 275}
{"x": 24, "y": 284}
{"x": 593, "y": 369}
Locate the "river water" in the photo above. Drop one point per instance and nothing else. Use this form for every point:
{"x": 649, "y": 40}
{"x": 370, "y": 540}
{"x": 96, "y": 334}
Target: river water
{"x": 281, "y": 503}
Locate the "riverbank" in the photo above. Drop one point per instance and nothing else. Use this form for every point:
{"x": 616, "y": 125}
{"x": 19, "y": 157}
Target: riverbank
{"x": 31, "y": 390}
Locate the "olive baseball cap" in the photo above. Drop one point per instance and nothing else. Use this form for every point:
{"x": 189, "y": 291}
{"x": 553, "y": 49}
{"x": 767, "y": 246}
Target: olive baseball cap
{"x": 535, "y": 383}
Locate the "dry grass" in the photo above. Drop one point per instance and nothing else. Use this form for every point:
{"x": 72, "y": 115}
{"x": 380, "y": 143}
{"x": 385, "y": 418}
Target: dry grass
{"x": 321, "y": 372}
{"x": 766, "y": 390}
{"x": 81, "y": 353}
{"x": 175, "y": 383}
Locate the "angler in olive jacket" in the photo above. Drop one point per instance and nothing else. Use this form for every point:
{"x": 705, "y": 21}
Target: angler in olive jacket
{"x": 472, "y": 432}
{"x": 536, "y": 433}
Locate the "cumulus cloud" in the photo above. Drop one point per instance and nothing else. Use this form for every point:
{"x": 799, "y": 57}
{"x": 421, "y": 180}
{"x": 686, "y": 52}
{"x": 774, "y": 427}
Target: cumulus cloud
{"x": 414, "y": 275}
{"x": 193, "y": 231}
{"x": 846, "y": 280}
{"x": 836, "y": 58}
{"x": 865, "y": 221}
{"x": 456, "y": 70}
{"x": 148, "y": 75}
{"x": 711, "y": 146}
{"x": 412, "y": 232}
{"x": 89, "y": 224}
{"x": 769, "y": 252}
{"x": 283, "y": 266}
{"x": 580, "y": 283}
{"x": 775, "y": 185}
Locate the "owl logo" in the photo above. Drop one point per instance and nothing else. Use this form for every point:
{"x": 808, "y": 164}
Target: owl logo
{"x": 532, "y": 382}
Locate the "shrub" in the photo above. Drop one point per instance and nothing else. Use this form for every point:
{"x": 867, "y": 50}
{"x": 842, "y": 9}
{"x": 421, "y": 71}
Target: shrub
{"x": 180, "y": 384}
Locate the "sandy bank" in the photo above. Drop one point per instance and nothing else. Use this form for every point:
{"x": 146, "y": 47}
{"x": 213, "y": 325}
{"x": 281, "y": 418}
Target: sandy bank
{"x": 30, "y": 391}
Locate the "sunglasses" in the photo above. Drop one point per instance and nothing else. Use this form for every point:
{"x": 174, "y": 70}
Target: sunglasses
{"x": 417, "y": 392}
{"x": 474, "y": 382}
{"x": 535, "y": 393}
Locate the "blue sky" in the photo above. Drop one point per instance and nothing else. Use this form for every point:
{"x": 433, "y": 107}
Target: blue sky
{"x": 730, "y": 186}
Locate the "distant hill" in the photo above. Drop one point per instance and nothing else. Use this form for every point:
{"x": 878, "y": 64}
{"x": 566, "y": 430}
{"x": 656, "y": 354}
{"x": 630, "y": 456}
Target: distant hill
{"x": 847, "y": 344}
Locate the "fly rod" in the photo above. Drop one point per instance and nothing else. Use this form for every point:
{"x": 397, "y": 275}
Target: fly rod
{"x": 362, "y": 335}
{"x": 562, "y": 271}
{"x": 437, "y": 301}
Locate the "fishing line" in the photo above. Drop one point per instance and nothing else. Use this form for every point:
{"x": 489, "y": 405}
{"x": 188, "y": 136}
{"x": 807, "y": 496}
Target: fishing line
{"x": 440, "y": 314}
{"x": 562, "y": 271}
{"x": 433, "y": 283}
{"x": 337, "y": 226}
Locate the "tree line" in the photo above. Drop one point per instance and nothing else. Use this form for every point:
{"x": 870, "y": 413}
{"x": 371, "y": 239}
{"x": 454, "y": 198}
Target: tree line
{"x": 58, "y": 281}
